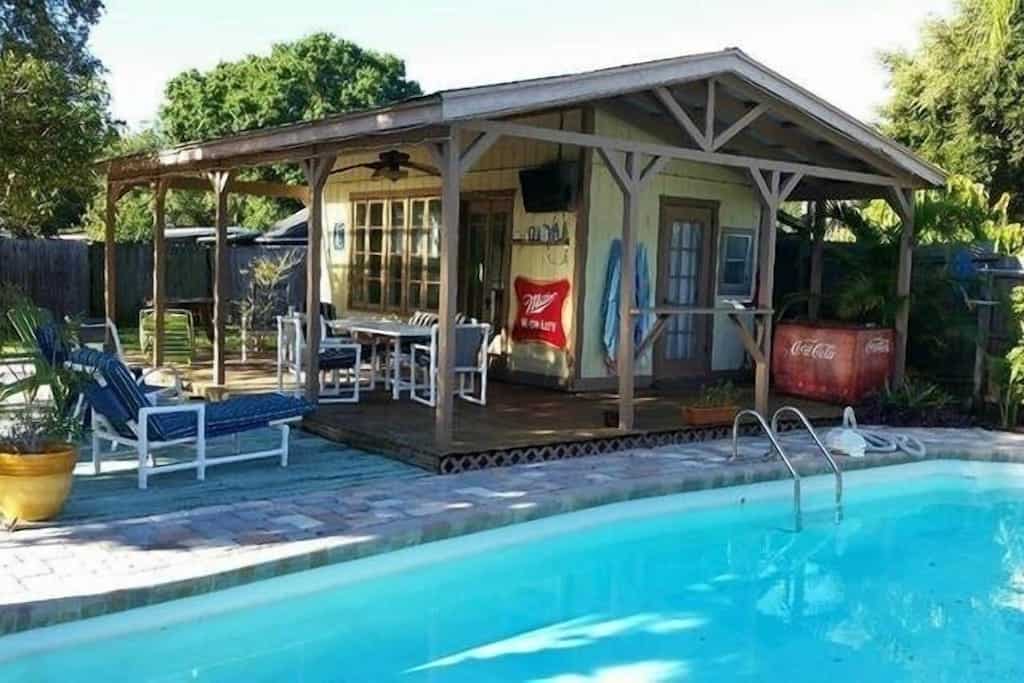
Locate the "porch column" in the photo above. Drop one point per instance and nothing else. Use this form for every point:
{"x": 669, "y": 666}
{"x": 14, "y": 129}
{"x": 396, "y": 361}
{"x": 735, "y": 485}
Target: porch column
{"x": 316, "y": 170}
{"x": 817, "y": 260}
{"x": 773, "y": 188}
{"x": 451, "y": 185}
{"x": 114, "y": 193}
{"x": 902, "y": 201}
{"x": 220, "y": 180}
{"x": 159, "y": 269}
{"x": 631, "y": 180}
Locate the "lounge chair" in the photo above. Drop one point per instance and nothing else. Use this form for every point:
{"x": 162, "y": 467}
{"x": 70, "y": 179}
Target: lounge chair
{"x": 179, "y": 333}
{"x": 123, "y": 415}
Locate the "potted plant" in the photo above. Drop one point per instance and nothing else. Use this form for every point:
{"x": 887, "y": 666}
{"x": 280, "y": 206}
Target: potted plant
{"x": 39, "y": 433}
{"x": 717, "y": 404}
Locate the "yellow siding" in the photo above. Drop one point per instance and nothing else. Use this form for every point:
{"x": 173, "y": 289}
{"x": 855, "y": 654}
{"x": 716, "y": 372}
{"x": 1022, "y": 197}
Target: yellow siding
{"x": 497, "y": 170}
{"x": 739, "y": 208}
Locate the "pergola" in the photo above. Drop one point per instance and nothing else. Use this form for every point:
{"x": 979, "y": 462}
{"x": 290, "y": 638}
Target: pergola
{"x": 720, "y": 108}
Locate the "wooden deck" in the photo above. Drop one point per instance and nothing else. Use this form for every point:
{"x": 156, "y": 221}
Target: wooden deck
{"x": 519, "y": 425}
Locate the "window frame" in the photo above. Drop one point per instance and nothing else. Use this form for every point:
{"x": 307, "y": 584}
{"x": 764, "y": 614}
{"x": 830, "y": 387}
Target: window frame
{"x": 745, "y": 288}
{"x": 359, "y": 277}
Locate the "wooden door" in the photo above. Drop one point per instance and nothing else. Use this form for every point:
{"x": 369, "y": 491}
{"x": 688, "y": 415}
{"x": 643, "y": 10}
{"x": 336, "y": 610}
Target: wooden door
{"x": 484, "y": 241}
{"x": 685, "y": 266}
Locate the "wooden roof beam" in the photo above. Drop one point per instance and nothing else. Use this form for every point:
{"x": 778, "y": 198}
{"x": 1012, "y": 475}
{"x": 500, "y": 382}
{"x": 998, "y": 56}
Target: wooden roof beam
{"x": 673, "y": 152}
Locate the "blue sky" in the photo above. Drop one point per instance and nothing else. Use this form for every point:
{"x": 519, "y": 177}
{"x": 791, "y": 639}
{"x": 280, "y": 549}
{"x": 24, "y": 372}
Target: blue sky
{"x": 829, "y": 46}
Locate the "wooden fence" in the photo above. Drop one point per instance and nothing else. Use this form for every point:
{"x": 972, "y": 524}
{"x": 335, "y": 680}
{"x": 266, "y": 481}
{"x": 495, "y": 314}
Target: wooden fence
{"x": 67, "y": 276}
{"x": 54, "y": 273}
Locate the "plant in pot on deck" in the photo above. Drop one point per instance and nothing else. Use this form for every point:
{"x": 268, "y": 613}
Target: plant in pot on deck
{"x": 717, "y": 404}
{"x": 38, "y": 429}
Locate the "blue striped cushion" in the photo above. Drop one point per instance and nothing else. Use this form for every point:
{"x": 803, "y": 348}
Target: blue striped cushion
{"x": 235, "y": 415}
{"x": 119, "y": 399}
{"x": 337, "y": 359}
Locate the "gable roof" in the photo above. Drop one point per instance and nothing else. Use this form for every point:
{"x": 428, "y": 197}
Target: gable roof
{"x": 422, "y": 114}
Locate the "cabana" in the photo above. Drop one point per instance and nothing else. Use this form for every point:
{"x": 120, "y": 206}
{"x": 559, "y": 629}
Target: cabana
{"x": 488, "y": 200}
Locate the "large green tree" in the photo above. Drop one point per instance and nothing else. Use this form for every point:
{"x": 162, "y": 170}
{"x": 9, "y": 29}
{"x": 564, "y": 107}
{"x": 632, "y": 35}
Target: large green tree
{"x": 51, "y": 127}
{"x": 53, "y": 113}
{"x": 301, "y": 80}
{"x": 959, "y": 99}
{"x": 55, "y": 31}
{"x": 306, "y": 79}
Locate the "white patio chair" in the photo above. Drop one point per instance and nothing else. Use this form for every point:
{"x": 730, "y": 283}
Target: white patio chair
{"x": 470, "y": 364}
{"x": 338, "y": 356}
{"x": 93, "y": 334}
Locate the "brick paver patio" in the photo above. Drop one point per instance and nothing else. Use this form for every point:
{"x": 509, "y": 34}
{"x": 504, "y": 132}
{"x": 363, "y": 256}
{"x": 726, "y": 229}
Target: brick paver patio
{"x": 112, "y": 552}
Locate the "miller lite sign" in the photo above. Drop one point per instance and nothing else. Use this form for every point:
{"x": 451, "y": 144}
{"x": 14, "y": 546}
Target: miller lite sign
{"x": 539, "y": 311}
{"x": 837, "y": 363}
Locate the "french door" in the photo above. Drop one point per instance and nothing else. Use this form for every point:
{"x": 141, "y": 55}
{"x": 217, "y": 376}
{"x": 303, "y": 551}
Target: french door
{"x": 484, "y": 250}
{"x": 685, "y": 258}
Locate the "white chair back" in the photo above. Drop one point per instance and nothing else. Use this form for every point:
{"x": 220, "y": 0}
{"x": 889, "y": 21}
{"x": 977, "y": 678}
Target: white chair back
{"x": 93, "y": 334}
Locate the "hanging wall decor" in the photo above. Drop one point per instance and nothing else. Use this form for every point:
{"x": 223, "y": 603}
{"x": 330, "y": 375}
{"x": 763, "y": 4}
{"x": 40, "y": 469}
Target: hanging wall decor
{"x": 539, "y": 311}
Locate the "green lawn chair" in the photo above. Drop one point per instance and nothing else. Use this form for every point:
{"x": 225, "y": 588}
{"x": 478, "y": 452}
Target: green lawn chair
{"x": 179, "y": 334}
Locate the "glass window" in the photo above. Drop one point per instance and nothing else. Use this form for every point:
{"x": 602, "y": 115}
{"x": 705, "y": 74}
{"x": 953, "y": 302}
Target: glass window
{"x": 736, "y": 262}
{"x": 395, "y": 256}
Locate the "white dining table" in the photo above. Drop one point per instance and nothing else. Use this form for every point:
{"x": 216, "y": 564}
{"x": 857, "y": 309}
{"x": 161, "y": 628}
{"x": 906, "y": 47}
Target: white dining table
{"x": 395, "y": 331}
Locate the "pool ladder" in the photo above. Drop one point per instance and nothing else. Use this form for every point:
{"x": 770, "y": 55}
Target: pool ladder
{"x": 772, "y": 433}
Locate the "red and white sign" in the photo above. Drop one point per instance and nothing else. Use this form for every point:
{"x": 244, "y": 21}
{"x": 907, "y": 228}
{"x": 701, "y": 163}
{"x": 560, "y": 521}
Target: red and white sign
{"x": 539, "y": 311}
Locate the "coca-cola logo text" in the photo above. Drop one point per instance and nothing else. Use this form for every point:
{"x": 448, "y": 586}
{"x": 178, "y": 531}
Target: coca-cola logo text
{"x": 813, "y": 348}
{"x": 878, "y": 345}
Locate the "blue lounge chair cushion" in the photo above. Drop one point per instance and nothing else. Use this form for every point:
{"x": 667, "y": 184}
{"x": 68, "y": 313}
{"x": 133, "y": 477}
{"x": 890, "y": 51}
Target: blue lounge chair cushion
{"x": 114, "y": 394}
{"x": 235, "y": 415}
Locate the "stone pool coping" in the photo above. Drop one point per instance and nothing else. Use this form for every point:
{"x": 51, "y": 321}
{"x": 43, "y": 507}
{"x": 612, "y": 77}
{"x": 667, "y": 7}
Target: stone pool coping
{"x": 65, "y": 573}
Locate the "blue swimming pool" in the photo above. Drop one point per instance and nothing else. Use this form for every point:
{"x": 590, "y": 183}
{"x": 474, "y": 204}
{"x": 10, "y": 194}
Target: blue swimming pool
{"x": 922, "y": 581}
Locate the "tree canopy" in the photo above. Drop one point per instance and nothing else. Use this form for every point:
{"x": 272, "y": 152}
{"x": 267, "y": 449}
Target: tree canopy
{"x": 959, "y": 99}
{"x": 53, "y": 113}
{"x": 306, "y": 79}
{"x": 54, "y": 31}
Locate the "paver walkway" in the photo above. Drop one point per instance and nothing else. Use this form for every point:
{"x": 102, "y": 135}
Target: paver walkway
{"x": 84, "y": 567}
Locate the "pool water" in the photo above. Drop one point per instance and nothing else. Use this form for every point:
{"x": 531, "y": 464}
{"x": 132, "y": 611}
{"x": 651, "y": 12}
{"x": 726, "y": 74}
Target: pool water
{"x": 922, "y": 581}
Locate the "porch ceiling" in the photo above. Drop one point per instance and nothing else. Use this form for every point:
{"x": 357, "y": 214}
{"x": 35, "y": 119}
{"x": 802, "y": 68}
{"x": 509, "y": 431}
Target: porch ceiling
{"x": 756, "y": 113}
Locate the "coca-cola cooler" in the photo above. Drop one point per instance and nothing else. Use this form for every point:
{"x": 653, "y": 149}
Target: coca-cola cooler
{"x": 831, "y": 362}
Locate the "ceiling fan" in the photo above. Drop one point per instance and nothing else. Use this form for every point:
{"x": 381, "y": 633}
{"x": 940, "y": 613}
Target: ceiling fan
{"x": 391, "y": 165}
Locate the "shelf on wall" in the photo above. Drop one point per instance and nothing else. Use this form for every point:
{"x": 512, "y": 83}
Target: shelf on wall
{"x": 564, "y": 242}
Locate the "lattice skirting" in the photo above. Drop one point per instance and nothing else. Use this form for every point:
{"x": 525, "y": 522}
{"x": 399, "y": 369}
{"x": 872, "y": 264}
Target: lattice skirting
{"x": 464, "y": 462}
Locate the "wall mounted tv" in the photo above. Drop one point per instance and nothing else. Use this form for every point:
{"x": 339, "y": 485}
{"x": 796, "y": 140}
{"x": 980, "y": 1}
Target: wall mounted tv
{"x": 551, "y": 187}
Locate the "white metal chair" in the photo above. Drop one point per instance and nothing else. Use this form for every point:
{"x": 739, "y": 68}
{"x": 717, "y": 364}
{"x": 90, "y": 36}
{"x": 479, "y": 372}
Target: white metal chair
{"x": 470, "y": 364}
{"x": 338, "y": 356}
{"x": 93, "y": 334}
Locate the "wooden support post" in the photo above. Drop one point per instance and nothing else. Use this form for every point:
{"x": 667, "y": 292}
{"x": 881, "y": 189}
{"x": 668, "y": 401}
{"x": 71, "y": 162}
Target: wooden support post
{"x": 451, "y": 183}
{"x": 631, "y": 178}
{"x": 902, "y": 201}
{"x": 219, "y": 180}
{"x": 983, "y": 309}
{"x": 159, "y": 269}
{"x": 114, "y": 193}
{"x": 817, "y": 260}
{"x": 773, "y": 190}
{"x": 627, "y": 294}
{"x": 316, "y": 170}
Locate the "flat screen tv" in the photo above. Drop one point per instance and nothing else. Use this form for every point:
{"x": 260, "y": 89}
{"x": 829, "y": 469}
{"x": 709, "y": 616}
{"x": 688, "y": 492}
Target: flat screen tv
{"x": 551, "y": 187}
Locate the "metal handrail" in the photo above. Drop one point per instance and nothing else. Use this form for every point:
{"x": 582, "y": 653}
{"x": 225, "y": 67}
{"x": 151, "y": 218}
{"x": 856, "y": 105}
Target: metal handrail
{"x": 797, "y": 518}
{"x": 824, "y": 451}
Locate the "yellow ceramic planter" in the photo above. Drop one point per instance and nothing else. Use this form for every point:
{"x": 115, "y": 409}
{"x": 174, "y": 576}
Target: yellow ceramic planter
{"x": 33, "y": 487}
